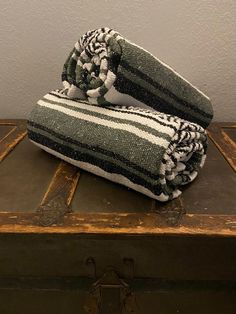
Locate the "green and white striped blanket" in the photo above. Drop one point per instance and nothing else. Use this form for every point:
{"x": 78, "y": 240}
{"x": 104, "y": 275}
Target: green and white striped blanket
{"x": 151, "y": 152}
{"x": 105, "y": 68}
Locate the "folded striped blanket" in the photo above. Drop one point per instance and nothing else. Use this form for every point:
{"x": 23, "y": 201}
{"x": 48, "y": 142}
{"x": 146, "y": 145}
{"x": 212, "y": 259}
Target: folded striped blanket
{"x": 105, "y": 69}
{"x": 151, "y": 152}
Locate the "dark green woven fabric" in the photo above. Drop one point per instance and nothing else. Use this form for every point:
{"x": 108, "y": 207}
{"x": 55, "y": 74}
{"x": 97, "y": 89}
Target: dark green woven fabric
{"x": 104, "y": 68}
{"x": 150, "y": 152}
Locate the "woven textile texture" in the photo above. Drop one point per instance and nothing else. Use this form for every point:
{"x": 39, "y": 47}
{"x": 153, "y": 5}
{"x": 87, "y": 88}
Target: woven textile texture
{"x": 151, "y": 152}
{"x": 104, "y": 68}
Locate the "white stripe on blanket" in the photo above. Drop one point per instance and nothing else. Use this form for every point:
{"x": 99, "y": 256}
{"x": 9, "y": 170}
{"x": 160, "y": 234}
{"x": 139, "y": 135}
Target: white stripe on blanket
{"x": 115, "y": 114}
{"x": 120, "y": 126}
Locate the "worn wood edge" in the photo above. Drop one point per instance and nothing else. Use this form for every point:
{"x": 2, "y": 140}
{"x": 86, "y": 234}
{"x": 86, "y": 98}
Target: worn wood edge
{"x": 8, "y": 143}
{"x": 224, "y": 146}
{"x": 12, "y": 121}
{"x": 223, "y": 142}
{"x": 122, "y": 223}
{"x": 232, "y": 156}
{"x": 222, "y": 125}
{"x": 5, "y": 136}
{"x": 63, "y": 183}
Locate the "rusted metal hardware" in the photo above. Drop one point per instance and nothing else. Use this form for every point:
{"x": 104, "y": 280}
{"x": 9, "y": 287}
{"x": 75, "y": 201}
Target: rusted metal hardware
{"x": 58, "y": 197}
{"x": 52, "y": 212}
{"x": 91, "y": 266}
{"x": 128, "y": 269}
{"x": 172, "y": 212}
{"x": 110, "y": 294}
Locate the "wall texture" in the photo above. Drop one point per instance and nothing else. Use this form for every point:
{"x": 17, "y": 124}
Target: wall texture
{"x": 196, "y": 38}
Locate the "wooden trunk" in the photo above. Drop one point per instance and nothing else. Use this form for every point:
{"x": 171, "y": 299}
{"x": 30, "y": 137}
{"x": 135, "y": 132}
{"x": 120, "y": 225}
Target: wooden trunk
{"x": 71, "y": 242}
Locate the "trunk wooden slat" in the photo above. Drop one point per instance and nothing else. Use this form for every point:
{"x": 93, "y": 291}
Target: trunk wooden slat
{"x": 69, "y": 237}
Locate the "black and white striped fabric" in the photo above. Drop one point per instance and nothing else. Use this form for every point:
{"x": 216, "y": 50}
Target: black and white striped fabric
{"x": 104, "y": 68}
{"x": 151, "y": 152}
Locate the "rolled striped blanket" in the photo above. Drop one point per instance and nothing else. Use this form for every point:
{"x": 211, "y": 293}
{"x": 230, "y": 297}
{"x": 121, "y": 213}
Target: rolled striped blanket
{"x": 151, "y": 152}
{"x": 105, "y": 68}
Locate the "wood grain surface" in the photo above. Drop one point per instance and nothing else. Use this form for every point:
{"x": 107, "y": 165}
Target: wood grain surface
{"x": 13, "y": 137}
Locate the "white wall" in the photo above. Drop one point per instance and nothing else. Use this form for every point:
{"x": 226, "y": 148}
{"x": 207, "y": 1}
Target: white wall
{"x": 197, "y": 38}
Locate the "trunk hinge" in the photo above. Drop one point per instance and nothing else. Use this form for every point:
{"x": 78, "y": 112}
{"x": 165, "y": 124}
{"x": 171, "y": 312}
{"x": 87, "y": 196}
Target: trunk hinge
{"x": 172, "y": 211}
{"x": 110, "y": 294}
